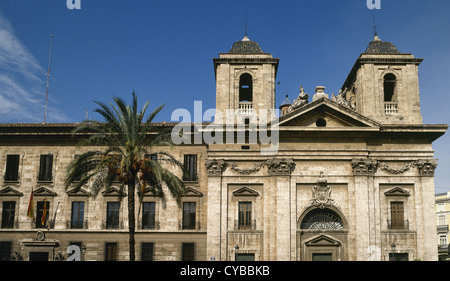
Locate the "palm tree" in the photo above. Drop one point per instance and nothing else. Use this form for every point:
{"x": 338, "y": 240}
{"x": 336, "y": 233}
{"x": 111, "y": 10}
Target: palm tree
{"x": 128, "y": 142}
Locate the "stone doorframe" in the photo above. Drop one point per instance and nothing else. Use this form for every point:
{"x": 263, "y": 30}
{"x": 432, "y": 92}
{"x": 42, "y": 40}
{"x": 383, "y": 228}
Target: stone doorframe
{"x": 321, "y": 244}
{"x": 40, "y": 244}
{"x": 322, "y": 240}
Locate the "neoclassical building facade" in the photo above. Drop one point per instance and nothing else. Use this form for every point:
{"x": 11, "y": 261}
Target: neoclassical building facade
{"x": 346, "y": 178}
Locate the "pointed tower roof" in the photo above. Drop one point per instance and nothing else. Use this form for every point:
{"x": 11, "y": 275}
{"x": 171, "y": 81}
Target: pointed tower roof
{"x": 286, "y": 102}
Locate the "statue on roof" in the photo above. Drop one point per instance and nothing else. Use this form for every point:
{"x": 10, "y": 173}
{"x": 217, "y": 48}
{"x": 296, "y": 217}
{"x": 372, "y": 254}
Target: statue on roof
{"x": 341, "y": 99}
{"x": 301, "y": 100}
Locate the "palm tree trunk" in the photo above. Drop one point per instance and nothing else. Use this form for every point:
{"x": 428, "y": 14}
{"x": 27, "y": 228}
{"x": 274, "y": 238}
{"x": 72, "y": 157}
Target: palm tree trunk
{"x": 131, "y": 216}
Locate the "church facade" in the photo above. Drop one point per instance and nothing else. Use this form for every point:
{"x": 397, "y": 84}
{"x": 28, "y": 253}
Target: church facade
{"x": 344, "y": 178}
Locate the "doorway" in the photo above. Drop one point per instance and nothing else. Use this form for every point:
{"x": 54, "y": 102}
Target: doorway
{"x": 38, "y": 256}
{"x": 245, "y": 257}
{"x": 322, "y": 257}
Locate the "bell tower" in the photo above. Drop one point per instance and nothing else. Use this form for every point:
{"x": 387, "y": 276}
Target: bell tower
{"x": 245, "y": 79}
{"x": 384, "y": 84}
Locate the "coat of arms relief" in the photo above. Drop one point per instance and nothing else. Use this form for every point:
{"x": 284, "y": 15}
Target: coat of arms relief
{"x": 322, "y": 194}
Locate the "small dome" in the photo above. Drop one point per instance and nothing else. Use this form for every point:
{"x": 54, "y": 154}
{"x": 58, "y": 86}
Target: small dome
{"x": 381, "y": 47}
{"x": 245, "y": 46}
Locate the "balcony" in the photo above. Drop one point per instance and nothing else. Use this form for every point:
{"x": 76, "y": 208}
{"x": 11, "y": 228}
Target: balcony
{"x": 251, "y": 225}
{"x": 400, "y": 225}
{"x": 245, "y": 108}
{"x": 153, "y": 225}
{"x": 390, "y": 107}
{"x": 443, "y": 249}
{"x": 76, "y": 225}
{"x": 442, "y": 228}
{"x": 189, "y": 225}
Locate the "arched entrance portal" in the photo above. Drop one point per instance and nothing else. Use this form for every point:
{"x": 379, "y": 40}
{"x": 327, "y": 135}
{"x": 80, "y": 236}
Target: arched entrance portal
{"x": 322, "y": 235}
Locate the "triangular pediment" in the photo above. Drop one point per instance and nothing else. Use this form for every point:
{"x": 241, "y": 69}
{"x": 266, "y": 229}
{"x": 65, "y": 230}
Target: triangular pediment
{"x": 79, "y": 192}
{"x": 150, "y": 192}
{"x": 245, "y": 191}
{"x": 334, "y": 115}
{"x": 323, "y": 240}
{"x": 397, "y": 191}
{"x": 113, "y": 191}
{"x": 9, "y": 191}
{"x": 44, "y": 191}
{"x": 192, "y": 192}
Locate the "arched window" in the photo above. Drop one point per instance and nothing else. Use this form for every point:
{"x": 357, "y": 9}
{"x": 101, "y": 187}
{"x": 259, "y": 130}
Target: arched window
{"x": 390, "y": 82}
{"x": 245, "y": 88}
{"x": 322, "y": 219}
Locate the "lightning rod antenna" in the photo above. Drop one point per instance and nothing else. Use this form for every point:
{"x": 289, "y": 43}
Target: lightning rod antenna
{"x": 246, "y": 22}
{"x": 48, "y": 79}
{"x": 375, "y": 33}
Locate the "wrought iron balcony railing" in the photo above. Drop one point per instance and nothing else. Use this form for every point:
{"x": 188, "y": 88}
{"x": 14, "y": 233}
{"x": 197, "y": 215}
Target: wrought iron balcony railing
{"x": 442, "y": 228}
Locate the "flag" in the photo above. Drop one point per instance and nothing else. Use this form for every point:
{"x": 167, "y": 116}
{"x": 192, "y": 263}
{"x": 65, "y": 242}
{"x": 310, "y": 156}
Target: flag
{"x": 44, "y": 213}
{"x": 30, "y": 213}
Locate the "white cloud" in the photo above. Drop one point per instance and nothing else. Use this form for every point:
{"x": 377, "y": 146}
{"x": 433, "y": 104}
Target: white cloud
{"x": 22, "y": 81}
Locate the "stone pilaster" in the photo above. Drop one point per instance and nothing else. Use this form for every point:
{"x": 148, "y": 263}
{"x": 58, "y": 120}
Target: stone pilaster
{"x": 216, "y": 215}
{"x": 426, "y": 173}
{"x": 363, "y": 171}
{"x": 280, "y": 171}
{"x": 427, "y": 167}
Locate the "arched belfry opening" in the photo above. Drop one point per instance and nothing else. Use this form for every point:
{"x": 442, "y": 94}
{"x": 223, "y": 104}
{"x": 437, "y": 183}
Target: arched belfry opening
{"x": 245, "y": 88}
{"x": 390, "y": 83}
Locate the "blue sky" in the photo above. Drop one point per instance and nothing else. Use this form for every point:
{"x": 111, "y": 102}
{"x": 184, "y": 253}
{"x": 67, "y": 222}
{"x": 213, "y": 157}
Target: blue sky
{"x": 164, "y": 49}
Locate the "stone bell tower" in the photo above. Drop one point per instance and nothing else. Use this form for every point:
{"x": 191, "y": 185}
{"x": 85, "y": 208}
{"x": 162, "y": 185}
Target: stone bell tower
{"x": 384, "y": 84}
{"x": 245, "y": 79}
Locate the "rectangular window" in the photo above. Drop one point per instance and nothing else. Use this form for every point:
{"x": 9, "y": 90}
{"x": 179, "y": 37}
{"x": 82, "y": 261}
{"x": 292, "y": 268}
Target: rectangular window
{"x": 245, "y": 215}
{"x": 148, "y": 215}
{"x": 42, "y": 214}
{"x": 189, "y": 215}
{"x": 12, "y": 168}
{"x": 78, "y": 178}
{"x": 111, "y": 252}
{"x": 188, "y": 252}
{"x": 8, "y": 213}
{"x": 397, "y": 215}
{"x": 443, "y": 241}
{"x": 190, "y": 167}
{"x": 112, "y": 215}
{"x": 45, "y": 168}
{"x": 147, "y": 252}
{"x": 442, "y": 220}
{"x": 77, "y": 215}
{"x": 5, "y": 251}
